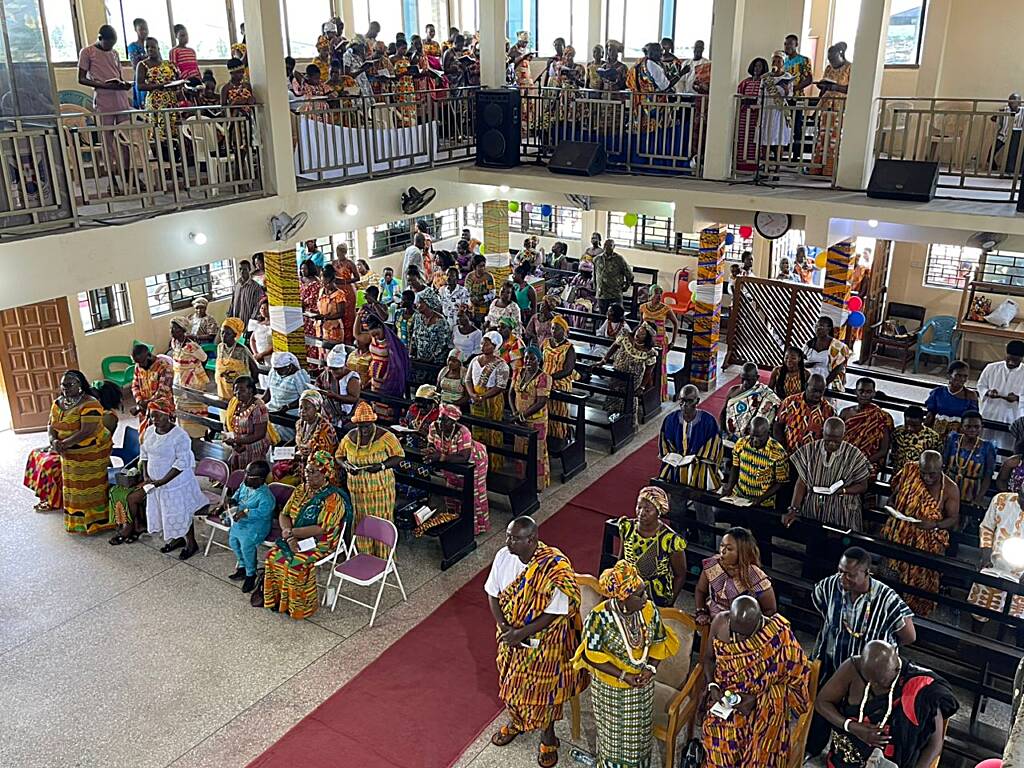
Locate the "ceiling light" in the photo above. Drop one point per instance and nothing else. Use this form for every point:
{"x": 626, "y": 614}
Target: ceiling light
{"x": 351, "y": 209}
{"x": 872, "y": 223}
{"x": 503, "y": 189}
{"x": 199, "y": 238}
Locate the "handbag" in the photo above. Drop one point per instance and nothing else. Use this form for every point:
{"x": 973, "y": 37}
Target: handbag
{"x": 647, "y": 563}
{"x": 692, "y": 755}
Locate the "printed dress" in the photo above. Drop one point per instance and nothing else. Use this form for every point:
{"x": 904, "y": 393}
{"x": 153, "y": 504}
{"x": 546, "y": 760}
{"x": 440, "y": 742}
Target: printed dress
{"x": 525, "y": 392}
{"x": 479, "y": 378}
{"x": 658, "y": 317}
{"x": 190, "y": 372}
{"x": 373, "y": 493}
{"x": 460, "y": 440}
{"x": 554, "y": 362}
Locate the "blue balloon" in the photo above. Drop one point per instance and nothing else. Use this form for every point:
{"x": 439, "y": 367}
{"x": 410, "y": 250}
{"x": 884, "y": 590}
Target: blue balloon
{"x": 545, "y": 210}
{"x": 730, "y": 238}
{"x": 855, "y": 320}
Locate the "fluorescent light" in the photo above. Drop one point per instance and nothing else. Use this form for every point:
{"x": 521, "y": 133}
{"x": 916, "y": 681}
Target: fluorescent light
{"x": 872, "y": 223}
{"x": 1012, "y": 551}
{"x": 199, "y": 238}
{"x": 351, "y": 209}
{"x": 504, "y": 188}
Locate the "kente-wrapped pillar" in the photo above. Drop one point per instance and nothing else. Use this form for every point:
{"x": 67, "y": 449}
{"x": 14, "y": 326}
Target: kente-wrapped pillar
{"x": 707, "y": 307}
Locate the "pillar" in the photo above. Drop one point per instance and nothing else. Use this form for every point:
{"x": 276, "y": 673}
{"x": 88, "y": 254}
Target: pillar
{"x": 346, "y": 10}
{"x": 265, "y": 48}
{"x": 838, "y": 273}
{"x": 285, "y": 305}
{"x": 495, "y": 242}
{"x": 707, "y": 307}
{"x": 857, "y": 148}
{"x": 493, "y": 21}
{"x": 594, "y": 14}
{"x": 726, "y": 42}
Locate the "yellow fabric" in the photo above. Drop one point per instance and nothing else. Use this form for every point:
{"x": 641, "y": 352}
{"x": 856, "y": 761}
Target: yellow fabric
{"x": 272, "y": 434}
{"x": 586, "y": 659}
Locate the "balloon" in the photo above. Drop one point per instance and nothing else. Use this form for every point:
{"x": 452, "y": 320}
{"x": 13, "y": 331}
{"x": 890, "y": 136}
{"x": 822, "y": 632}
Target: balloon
{"x": 855, "y": 303}
{"x": 692, "y": 285}
{"x": 992, "y": 762}
{"x": 513, "y": 206}
{"x": 821, "y": 260}
{"x": 746, "y": 232}
{"x": 730, "y": 238}
{"x": 545, "y": 211}
{"x": 630, "y": 219}
{"x": 855, "y": 320}
{"x": 528, "y": 207}
{"x": 483, "y": 249}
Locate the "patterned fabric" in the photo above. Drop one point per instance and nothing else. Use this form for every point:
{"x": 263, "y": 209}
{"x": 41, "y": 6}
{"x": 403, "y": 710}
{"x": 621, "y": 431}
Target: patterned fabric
{"x": 632, "y": 359}
{"x": 449, "y": 388}
{"x": 118, "y": 511}
{"x": 310, "y": 437}
{"x": 799, "y": 67}
{"x": 908, "y": 446}
{"x": 829, "y": 121}
{"x": 534, "y": 683}
{"x": 232, "y": 362}
{"x": 698, "y": 438}
{"x": 912, "y": 497}
{"x": 43, "y": 477}
{"x": 347, "y": 274}
{"x": 1004, "y": 519}
{"x": 512, "y": 352}
{"x": 658, "y": 317}
{"x": 788, "y": 382}
{"x": 84, "y": 466}
{"x": 723, "y": 588}
{"x": 461, "y": 440}
{"x": 867, "y": 429}
{"x": 823, "y": 362}
{"x": 289, "y": 585}
{"x": 817, "y": 468}
{"x": 153, "y": 385}
{"x": 161, "y": 74}
{"x": 479, "y": 378}
{"x": 612, "y": 276}
{"x": 190, "y": 371}
{"x": 431, "y": 342}
{"x": 243, "y": 422}
{"x": 309, "y": 295}
{"x": 759, "y": 468}
{"x": 802, "y": 423}
{"x": 772, "y": 667}
{"x": 967, "y": 462}
{"x": 554, "y": 362}
{"x": 743, "y": 407}
{"x": 623, "y": 715}
{"x": 665, "y": 543}
{"x": 480, "y": 289}
{"x": 333, "y": 301}
{"x": 524, "y": 393}
{"x": 373, "y": 493}
{"x": 360, "y": 361}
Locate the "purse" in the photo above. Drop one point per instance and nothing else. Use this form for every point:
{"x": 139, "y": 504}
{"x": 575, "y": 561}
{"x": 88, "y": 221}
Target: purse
{"x": 692, "y": 755}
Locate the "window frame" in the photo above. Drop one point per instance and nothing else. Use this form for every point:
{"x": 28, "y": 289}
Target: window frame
{"x": 76, "y": 28}
{"x": 920, "y": 41}
{"x": 638, "y": 234}
{"x": 118, "y": 302}
{"x": 928, "y": 280}
{"x": 214, "y": 276}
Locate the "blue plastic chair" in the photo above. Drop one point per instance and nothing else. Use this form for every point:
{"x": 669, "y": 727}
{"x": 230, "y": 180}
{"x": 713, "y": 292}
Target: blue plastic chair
{"x": 937, "y": 338}
{"x": 128, "y": 453}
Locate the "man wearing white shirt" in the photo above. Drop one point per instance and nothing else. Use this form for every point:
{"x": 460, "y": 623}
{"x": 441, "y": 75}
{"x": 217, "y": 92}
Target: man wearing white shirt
{"x": 1001, "y": 386}
{"x": 414, "y": 255}
{"x": 695, "y": 71}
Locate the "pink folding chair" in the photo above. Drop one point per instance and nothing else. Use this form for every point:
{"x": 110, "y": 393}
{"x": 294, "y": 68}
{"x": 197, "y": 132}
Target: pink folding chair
{"x": 366, "y": 570}
{"x": 217, "y": 472}
{"x": 282, "y": 492}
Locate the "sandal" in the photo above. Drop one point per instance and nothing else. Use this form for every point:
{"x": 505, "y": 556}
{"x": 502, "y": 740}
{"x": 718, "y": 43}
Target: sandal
{"x": 188, "y": 552}
{"x": 131, "y": 538}
{"x": 504, "y": 736}
{"x": 42, "y": 506}
{"x": 172, "y": 545}
{"x": 117, "y": 539}
{"x": 547, "y": 757}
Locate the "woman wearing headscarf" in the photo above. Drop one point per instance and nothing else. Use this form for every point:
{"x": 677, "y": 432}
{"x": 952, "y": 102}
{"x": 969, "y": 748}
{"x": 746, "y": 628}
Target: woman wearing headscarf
{"x": 233, "y": 359}
{"x": 560, "y": 364}
{"x": 369, "y": 454}
{"x": 631, "y": 353}
{"x": 447, "y": 440}
{"x": 450, "y": 388}
{"x": 389, "y": 359}
{"x": 319, "y": 509}
{"x": 248, "y": 425}
{"x": 423, "y": 412}
{"x": 313, "y": 432}
{"x": 529, "y": 395}
{"x": 431, "y": 336}
{"x": 512, "y": 345}
{"x": 538, "y": 330}
{"x": 657, "y": 551}
{"x": 623, "y": 642}
{"x": 334, "y": 320}
{"x": 659, "y": 315}
{"x": 486, "y": 380}
{"x": 189, "y": 372}
{"x": 285, "y": 385}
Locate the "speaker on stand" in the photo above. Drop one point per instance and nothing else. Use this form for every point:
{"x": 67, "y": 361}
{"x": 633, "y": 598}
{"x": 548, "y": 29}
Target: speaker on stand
{"x": 498, "y": 127}
{"x": 911, "y": 180}
{"x": 579, "y": 158}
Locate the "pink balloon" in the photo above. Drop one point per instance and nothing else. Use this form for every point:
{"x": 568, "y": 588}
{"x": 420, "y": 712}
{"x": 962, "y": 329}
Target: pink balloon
{"x": 992, "y": 762}
{"x": 746, "y": 232}
{"x": 855, "y": 303}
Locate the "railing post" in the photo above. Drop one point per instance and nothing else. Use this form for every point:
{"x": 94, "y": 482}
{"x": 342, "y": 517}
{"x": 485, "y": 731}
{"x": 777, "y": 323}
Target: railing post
{"x": 726, "y": 41}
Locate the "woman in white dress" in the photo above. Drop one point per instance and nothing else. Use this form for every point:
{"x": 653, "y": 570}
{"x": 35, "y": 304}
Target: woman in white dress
{"x": 776, "y": 120}
{"x": 175, "y": 495}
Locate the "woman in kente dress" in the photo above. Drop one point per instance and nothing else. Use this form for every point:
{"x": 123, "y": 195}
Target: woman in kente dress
{"x": 529, "y": 396}
{"x": 447, "y": 440}
{"x": 189, "y": 372}
{"x": 660, "y": 316}
{"x": 313, "y": 433}
{"x": 486, "y": 380}
{"x": 560, "y": 365}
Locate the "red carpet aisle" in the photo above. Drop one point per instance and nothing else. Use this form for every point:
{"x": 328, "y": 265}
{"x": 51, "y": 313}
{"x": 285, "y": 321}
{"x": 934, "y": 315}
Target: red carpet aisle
{"x": 428, "y": 696}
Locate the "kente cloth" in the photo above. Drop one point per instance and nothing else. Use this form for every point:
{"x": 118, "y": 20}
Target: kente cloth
{"x": 867, "y": 429}
{"x": 83, "y": 466}
{"x": 948, "y": 408}
{"x": 759, "y": 468}
{"x": 659, "y": 575}
{"x": 554, "y": 362}
{"x": 742, "y": 407}
{"x": 968, "y": 462}
{"x": 772, "y": 667}
{"x": 723, "y": 588}
{"x": 908, "y": 446}
{"x": 153, "y": 385}
{"x": 1003, "y": 520}
{"x": 698, "y": 438}
{"x": 918, "y": 696}
{"x": 802, "y": 423}
{"x": 817, "y": 468}
{"x": 534, "y": 683}
{"x": 912, "y": 497}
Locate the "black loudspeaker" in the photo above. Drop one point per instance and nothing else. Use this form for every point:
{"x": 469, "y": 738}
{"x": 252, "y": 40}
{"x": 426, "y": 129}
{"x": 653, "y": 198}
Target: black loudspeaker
{"x": 913, "y": 180}
{"x": 498, "y": 127}
{"x": 579, "y": 158}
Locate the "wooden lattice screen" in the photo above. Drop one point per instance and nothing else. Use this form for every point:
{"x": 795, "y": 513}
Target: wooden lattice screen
{"x": 767, "y": 316}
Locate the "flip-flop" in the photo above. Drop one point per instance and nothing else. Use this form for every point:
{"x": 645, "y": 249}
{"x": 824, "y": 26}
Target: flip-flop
{"x": 42, "y": 506}
{"x": 504, "y": 736}
{"x": 547, "y": 757}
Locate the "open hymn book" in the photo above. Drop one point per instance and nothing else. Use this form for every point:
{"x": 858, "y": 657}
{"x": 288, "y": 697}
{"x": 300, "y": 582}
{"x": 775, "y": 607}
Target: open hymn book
{"x": 737, "y": 501}
{"x": 676, "y": 460}
{"x": 895, "y": 513}
{"x": 829, "y": 490}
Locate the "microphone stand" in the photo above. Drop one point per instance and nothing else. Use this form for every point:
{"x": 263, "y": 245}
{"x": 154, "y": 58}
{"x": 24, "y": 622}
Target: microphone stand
{"x": 759, "y": 179}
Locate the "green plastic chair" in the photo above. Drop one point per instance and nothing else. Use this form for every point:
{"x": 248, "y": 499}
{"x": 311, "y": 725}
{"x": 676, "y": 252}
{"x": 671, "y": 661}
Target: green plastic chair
{"x": 211, "y": 356}
{"x": 360, "y": 298}
{"x": 113, "y": 372}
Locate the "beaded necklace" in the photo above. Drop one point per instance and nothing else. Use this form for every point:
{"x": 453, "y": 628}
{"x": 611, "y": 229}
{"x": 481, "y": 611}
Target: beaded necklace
{"x": 633, "y": 631}
{"x": 961, "y": 463}
{"x": 888, "y": 708}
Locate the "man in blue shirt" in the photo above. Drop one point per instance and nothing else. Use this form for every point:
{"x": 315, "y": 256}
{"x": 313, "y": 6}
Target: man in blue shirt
{"x": 253, "y": 505}
{"x": 311, "y": 252}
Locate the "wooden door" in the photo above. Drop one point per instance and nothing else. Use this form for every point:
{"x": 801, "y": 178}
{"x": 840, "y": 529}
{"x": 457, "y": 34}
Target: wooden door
{"x": 875, "y": 294}
{"x": 36, "y": 346}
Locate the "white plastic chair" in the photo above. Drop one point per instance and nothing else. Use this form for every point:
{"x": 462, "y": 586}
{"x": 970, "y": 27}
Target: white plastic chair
{"x": 366, "y": 570}
{"x": 213, "y": 522}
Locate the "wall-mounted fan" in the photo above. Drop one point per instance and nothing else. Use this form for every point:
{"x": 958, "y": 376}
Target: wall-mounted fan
{"x": 414, "y": 200}
{"x": 284, "y": 226}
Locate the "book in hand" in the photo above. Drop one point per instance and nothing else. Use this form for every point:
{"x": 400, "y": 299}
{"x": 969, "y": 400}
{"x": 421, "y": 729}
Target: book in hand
{"x": 175, "y": 84}
{"x": 676, "y": 460}
{"x": 829, "y": 490}
{"x": 737, "y": 501}
{"x": 307, "y": 544}
{"x": 402, "y": 428}
{"x": 423, "y": 514}
{"x": 895, "y": 513}
{"x": 283, "y": 452}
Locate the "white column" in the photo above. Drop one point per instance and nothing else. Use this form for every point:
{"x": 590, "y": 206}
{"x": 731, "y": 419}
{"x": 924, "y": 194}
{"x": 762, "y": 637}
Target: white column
{"x": 493, "y": 21}
{"x": 726, "y": 41}
{"x": 346, "y": 9}
{"x": 594, "y": 8}
{"x": 856, "y": 149}
{"x": 265, "y": 49}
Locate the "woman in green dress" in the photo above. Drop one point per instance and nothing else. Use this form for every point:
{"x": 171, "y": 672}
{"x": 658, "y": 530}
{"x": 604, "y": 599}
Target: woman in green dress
{"x": 657, "y": 552}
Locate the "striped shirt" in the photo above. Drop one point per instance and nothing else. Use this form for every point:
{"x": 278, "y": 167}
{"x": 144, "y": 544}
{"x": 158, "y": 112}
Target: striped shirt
{"x": 759, "y": 468}
{"x": 876, "y": 615}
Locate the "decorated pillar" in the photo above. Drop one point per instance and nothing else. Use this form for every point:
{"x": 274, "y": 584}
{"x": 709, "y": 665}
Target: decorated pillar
{"x": 282, "y": 285}
{"x": 495, "y": 245}
{"x": 707, "y": 307}
{"x": 839, "y": 264}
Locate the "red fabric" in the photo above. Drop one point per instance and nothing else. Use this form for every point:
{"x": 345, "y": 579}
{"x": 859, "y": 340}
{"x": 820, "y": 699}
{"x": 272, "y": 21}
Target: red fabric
{"x": 908, "y": 697}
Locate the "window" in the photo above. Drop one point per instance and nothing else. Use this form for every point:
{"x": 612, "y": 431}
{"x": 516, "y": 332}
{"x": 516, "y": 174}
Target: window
{"x": 104, "y": 307}
{"x": 60, "y": 24}
{"x": 329, "y": 245}
{"x": 845, "y": 20}
{"x": 469, "y": 15}
{"x": 434, "y": 12}
{"x": 387, "y": 13}
{"x": 904, "y": 35}
{"x": 121, "y": 14}
{"x": 692, "y": 23}
{"x": 650, "y": 232}
{"x": 207, "y": 25}
{"x": 390, "y": 238}
{"x": 304, "y": 19}
{"x": 785, "y": 248}
{"x": 735, "y": 251}
{"x": 949, "y": 266}
{"x": 176, "y": 290}
{"x": 633, "y": 22}
{"x": 473, "y": 215}
{"x": 443, "y": 225}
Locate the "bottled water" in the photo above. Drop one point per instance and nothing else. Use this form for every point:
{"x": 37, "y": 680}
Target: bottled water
{"x": 581, "y": 757}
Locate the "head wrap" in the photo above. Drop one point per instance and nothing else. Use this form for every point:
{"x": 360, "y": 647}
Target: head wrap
{"x": 655, "y": 496}
{"x": 324, "y": 461}
{"x": 200, "y": 301}
{"x": 507, "y": 322}
{"x": 561, "y": 321}
{"x": 330, "y": 26}
{"x": 431, "y": 299}
{"x": 234, "y": 64}
{"x": 426, "y": 392}
{"x": 456, "y": 354}
{"x": 313, "y": 396}
{"x": 363, "y": 413}
{"x": 568, "y": 51}
{"x": 495, "y": 338}
{"x": 522, "y": 36}
{"x": 621, "y": 580}
{"x": 235, "y": 324}
{"x": 779, "y": 54}
{"x": 450, "y": 411}
{"x": 180, "y": 323}
{"x": 534, "y": 350}
{"x": 283, "y": 359}
{"x": 155, "y": 407}
{"x": 336, "y": 357}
